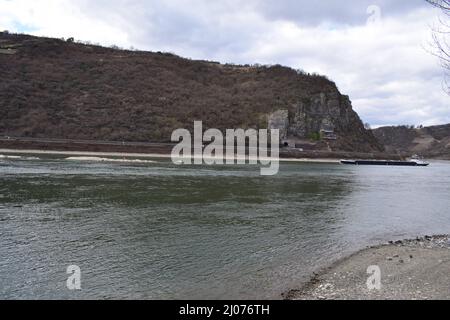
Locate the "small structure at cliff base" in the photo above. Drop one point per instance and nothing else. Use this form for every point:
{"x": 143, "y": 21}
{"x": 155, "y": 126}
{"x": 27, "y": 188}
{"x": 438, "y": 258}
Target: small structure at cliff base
{"x": 328, "y": 134}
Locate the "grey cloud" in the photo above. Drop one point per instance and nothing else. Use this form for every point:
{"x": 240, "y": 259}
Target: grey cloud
{"x": 388, "y": 75}
{"x": 306, "y": 12}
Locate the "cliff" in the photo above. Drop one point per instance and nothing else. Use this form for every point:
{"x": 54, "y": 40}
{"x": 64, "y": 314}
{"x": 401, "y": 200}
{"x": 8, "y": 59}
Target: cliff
{"x": 51, "y": 88}
{"x": 432, "y": 142}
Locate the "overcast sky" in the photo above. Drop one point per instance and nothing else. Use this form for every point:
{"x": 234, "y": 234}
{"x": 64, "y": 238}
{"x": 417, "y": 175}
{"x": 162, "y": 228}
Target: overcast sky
{"x": 374, "y": 50}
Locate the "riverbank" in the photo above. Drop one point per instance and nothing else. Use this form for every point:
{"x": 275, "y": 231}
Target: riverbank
{"x": 410, "y": 270}
{"x": 165, "y": 149}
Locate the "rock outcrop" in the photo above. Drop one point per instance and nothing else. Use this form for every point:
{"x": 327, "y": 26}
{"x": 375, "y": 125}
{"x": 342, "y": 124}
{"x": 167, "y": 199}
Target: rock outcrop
{"x": 326, "y": 111}
{"x": 52, "y": 88}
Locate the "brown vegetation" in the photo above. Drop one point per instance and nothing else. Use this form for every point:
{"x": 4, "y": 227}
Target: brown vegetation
{"x": 433, "y": 142}
{"x": 51, "y": 88}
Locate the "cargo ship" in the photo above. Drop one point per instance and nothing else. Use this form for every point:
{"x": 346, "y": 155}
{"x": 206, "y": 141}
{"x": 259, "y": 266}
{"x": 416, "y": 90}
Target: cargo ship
{"x": 414, "y": 162}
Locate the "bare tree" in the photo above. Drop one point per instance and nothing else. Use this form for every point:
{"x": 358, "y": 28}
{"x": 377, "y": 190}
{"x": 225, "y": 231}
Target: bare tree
{"x": 442, "y": 4}
{"x": 441, "y": 46}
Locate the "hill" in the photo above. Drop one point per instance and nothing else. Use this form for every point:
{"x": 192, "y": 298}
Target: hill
{"x": 432, "y": 142}
{"x": 51, "y": 88}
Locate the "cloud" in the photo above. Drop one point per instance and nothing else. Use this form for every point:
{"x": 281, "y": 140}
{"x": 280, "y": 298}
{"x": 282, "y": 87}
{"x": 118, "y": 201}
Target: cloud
{"x": 58, "y": 18}
{"x": 304, "y": 12}
{"x": 383, "y": 66}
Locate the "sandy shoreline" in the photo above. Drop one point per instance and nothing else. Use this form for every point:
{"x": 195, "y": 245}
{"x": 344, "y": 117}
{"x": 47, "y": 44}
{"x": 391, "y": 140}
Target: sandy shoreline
{"x": 133, "y": 155}
{"x": 410, "y": 269}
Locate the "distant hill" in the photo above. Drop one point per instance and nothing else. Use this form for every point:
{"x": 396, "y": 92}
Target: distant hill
{"x": 429, "y": 141}
{"x": 51, "y": 88}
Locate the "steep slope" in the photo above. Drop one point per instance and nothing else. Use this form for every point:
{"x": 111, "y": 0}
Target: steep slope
{"x": 52, "y": 88}
{"x": 429, "y": 141}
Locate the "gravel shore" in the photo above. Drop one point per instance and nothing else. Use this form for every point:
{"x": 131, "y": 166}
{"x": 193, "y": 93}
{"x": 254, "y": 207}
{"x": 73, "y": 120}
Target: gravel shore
{"x": 416, "y": 269}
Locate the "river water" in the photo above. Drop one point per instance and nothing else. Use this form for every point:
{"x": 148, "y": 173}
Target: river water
{"x": 154, "y": 230}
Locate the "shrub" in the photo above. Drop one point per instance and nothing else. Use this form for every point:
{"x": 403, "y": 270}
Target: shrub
{"x": 315, "y": 136}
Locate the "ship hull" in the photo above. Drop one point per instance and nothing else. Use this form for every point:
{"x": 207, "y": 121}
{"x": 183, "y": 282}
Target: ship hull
{"x": 384, "y": 163}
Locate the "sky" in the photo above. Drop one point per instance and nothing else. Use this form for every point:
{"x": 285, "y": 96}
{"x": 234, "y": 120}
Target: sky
{"x": 377, "y": 51}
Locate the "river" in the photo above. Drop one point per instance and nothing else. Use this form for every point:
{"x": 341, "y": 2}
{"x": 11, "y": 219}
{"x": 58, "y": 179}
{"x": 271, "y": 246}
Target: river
{"x": 155, "y": 230}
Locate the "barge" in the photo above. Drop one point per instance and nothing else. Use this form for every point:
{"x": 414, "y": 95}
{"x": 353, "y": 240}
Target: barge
{"x": 410, "y": 163}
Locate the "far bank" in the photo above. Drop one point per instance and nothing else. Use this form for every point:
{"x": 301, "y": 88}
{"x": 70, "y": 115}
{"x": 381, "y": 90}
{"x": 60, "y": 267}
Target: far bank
{"x": 165, "y": 149}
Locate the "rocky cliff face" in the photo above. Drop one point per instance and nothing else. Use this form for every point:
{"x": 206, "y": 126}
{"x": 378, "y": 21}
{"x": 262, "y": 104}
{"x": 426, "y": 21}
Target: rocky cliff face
{"x": 326, "y": 111}
{"x": 51, "y": 88}
{"x": 429, "y": 141}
